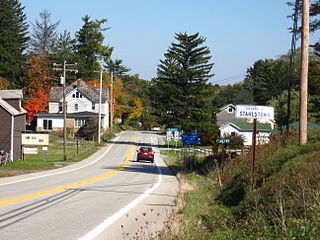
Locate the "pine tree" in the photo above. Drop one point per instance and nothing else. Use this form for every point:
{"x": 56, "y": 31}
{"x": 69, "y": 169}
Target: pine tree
{"x": 90, "y": 49}
{"x": 64, "y": 48}
{"x": 44, "y": 35}
{"x": 181, "y": 93}
{"x": 116, "y": 67}
{"x": 13, "y": 40}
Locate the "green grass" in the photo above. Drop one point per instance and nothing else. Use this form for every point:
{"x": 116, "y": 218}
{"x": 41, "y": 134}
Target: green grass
{"x": 287, "y": 176}
{"x": 47, "y": 159}
{"x": 28, "y": 165}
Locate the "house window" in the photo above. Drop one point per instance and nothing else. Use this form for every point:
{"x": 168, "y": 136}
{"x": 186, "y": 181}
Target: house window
{"x": 47, "y": 124}
{"x": 230, "y": 110}
{"x": 79, "y": 122}
{"x": 93, "y": 106}
{"x": 76, "y": 107}
{"x": 60, "y": 106}
{"x": 77, "y": 95}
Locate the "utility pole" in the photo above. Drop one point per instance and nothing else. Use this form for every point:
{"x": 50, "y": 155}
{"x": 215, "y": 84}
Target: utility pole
{"x": 111, "y": 101}
{"x": 64, "y": 106}
{"x": 291, "y": 59}
{"x": 304, "y": 74}
{"x": 100, "y": 96}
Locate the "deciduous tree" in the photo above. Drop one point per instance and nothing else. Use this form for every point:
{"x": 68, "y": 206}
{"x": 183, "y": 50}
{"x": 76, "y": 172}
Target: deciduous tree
{"x": 232, "y": 94}
{"x": 4, "y": 84}
{"x": 39, "y": 75}
{"x": 266, "y": 79}
{"x": 37, "y": 102}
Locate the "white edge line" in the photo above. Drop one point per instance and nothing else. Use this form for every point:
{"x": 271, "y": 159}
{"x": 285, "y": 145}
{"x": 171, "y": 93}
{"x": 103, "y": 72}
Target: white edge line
{"x": 51, "y": 174}
{"x": 107, "y": 222}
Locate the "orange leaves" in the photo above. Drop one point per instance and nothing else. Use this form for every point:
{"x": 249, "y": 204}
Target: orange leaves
{"x": 39, "y": 75}
{"x": 96, "y": 83}
{"x": 37, "y": 103}
{"x": 3, "y": 83}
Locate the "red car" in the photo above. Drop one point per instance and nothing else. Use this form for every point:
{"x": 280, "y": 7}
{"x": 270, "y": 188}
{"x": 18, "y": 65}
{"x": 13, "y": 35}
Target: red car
{"x": 145, "y": 153}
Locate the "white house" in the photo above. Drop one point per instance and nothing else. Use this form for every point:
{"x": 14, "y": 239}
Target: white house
{"x": 227, "y": 114}
{"x": 82, "y": 103}
{"x": 245, "y": 129}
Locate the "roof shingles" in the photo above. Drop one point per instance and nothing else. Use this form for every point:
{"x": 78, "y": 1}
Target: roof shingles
{"x": 56, "y": 93}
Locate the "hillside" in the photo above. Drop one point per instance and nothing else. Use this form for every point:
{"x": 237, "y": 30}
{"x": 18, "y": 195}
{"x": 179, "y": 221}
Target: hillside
{"x": 285, "y": 203}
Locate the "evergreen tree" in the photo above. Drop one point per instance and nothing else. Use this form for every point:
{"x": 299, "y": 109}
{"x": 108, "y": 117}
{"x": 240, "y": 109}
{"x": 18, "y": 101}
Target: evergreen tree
{"x": 116, "y": 67}
{"x": 90, "y": 49}
{"x": 64, "y": 48}
{"x": 180, "y": 93}
{"x": 44, "y": 35}
{"x": 13, "y": 40}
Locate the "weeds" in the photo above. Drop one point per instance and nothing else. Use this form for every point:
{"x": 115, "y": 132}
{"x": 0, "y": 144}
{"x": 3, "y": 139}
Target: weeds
{"x": 284, "y": 205}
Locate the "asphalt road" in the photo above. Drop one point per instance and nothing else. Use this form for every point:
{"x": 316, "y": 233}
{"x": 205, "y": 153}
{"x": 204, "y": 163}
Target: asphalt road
{"x": 107, "y": 196}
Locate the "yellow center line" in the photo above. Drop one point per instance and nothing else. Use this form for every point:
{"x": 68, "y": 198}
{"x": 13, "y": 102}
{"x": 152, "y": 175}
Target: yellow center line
{"x": 57, "y": 189}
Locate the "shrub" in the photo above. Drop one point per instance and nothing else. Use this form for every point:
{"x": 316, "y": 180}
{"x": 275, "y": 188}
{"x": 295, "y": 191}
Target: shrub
{"x": 233, "y": 192}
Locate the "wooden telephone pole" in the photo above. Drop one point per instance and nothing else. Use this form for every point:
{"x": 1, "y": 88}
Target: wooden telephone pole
{"x": 304, "y": 74}
{"x": 63, "y": 68}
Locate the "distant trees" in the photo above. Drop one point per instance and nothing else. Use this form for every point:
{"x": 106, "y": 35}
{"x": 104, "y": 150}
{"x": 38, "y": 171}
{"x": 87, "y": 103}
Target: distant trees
{"x": 267, "y": 78}
{"x": 267, "y": 81}
{"x": 180, "y": 94}
{"x": 232, "y": 94}
{"x": 280, "y": 104}
{"x": 13, "y": 40}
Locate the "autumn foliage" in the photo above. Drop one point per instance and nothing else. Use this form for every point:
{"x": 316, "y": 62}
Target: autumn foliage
{"x": 96, "y": 83}
{"x": 39, "y": 75}
{"x": 3, "y": 83}
{"x": 36, "y": 103}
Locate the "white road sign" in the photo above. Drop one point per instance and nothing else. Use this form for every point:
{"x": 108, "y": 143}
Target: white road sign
{"x": 176, "y": 136}
{"x": 255, "y": 112}
{"x": 169, "y": 135}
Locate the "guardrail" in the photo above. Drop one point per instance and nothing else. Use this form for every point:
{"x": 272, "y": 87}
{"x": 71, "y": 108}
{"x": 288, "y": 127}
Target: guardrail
{"x": 210, "y": 152}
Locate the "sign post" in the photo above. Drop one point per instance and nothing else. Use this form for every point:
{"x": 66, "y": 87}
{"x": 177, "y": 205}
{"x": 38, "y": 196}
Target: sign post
{"x": 176, "y": 138}
{"x": 254, "y": 112}
{"x": 171, "y": 133}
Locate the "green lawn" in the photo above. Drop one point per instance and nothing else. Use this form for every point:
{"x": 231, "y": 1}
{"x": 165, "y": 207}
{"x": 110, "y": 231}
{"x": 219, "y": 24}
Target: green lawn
{"x": 51, "y": 158}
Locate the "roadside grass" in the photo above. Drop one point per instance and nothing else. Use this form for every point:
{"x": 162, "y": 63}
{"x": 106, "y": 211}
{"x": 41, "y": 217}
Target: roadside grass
{"x": 194, "y": 200}
{"x": 5, "y": 174}
{"x": 285, "y": 203}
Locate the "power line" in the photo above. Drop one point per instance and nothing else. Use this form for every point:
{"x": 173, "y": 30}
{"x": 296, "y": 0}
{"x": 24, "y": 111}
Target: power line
{"x": 228, "y": 79}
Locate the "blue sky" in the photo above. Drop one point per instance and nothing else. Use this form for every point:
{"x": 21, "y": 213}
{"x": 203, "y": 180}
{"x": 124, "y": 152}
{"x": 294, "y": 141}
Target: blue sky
{"x": 238, "y": 32}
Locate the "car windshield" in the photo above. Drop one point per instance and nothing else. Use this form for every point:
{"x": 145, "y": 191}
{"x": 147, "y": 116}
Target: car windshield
{"x": 146, "y": 149}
